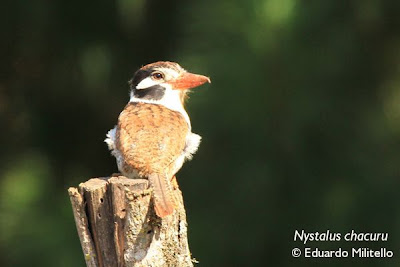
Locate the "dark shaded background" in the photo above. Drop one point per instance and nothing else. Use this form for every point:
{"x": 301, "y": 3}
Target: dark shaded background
{"x": 300, "y": 126}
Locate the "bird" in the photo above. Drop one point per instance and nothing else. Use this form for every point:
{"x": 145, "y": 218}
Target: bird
{"x": 153, "y": 136}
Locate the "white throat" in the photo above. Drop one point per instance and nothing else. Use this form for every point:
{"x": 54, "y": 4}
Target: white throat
{"x": 171, "y": 100}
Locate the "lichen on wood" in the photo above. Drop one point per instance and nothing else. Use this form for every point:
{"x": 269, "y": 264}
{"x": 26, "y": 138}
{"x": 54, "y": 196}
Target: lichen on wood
{"x": 117, "y": 225}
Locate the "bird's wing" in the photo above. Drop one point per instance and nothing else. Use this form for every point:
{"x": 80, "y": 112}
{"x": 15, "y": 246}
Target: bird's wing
{"x": 150, "y": 136}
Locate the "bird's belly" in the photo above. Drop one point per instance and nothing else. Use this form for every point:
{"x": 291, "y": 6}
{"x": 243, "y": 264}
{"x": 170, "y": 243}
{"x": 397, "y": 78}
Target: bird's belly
{"x": 178, "y": 164}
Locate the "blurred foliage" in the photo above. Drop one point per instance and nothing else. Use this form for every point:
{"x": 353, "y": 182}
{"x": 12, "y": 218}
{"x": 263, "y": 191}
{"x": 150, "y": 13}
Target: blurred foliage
{"x": 300, "y": 126}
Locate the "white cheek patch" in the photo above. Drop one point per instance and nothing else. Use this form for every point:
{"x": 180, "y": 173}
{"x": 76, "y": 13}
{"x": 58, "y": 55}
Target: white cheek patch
{"x": 146, "y": 83}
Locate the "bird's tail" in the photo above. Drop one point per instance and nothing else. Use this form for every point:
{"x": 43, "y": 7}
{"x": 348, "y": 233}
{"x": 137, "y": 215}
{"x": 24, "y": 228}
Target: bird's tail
{"x": 164, "y": 202}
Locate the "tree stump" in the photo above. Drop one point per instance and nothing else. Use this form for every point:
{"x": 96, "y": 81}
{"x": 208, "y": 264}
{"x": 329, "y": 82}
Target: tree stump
{"x": 117, "y": 225}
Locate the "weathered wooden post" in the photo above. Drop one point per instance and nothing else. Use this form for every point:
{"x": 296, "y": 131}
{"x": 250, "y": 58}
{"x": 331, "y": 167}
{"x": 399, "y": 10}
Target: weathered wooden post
{"x": 117, "y": 225}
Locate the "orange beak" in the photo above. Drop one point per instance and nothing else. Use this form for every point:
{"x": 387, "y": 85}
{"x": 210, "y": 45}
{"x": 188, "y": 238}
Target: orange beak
{"x": 188, "y": 80}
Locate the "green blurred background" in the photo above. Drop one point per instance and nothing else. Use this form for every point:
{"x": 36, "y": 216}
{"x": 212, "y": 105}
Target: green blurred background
{"x": 300, "y": 126}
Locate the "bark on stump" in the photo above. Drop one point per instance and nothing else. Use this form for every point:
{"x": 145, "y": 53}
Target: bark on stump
{"x": 117, "y": 225}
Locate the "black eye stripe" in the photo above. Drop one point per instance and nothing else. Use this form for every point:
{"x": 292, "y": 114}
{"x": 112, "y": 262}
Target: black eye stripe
{"x": 139, "y": 76}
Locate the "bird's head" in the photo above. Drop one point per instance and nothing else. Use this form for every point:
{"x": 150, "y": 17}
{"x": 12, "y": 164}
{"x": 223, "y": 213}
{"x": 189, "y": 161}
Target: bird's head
{"x": 164, "y": 82}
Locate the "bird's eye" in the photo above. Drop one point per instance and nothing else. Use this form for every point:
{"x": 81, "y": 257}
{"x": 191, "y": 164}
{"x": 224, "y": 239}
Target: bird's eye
{"x": 157, "y": 76}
